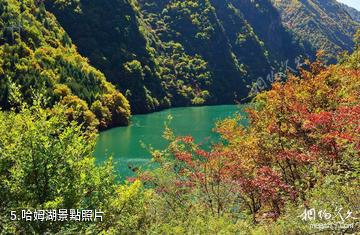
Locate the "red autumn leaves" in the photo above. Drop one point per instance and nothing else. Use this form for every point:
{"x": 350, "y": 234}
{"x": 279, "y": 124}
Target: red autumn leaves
{"x": 299, "y": 132}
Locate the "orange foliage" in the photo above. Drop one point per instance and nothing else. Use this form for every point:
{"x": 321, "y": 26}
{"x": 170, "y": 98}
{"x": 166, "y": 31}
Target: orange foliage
{"x": 309, "y": 122}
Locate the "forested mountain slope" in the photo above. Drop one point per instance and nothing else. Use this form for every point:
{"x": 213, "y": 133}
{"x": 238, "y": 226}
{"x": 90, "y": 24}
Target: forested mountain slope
{"x": 159, "y": 54}
{"x": 111, "y": 35}
{"x": 176, "y": 53}
{"x": 325, "y": 23}
{"x": 38, "y": 62}
{"x": 355, "y": 14}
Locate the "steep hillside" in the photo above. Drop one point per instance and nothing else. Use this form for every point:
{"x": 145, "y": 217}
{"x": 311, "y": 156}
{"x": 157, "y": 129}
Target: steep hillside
{"x": 355, "y": 14}
{"x": 227, "y": 34}
{"x": 39, "y": 63}
{"x": 176, "y": 53}
{"x": 111, "y": 35}
{"x": 195, "y": 26}
{"x": 324, "y": 23}
{"x": 159, "y": 54}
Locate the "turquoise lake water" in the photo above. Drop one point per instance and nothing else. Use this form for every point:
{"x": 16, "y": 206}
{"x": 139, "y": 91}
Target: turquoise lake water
{"x": 126, "y": 144}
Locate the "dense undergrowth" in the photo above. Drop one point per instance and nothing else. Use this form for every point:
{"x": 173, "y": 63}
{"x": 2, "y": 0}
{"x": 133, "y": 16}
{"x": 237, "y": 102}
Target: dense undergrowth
{"x": 300, "y": 152}
{"x": 38, "y": 57}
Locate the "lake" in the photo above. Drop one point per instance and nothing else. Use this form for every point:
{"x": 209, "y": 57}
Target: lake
{"x": 126, "y": 144}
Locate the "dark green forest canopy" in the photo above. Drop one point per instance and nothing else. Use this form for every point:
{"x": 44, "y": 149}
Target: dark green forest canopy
{"x": 327, "y": 24}
{"x": 47, "y": 163}
{"x": 157, "y": 54}
{"x": 299, "y": 151}
{"x": 38, "y": 57}
{"x": 178, "y": 53}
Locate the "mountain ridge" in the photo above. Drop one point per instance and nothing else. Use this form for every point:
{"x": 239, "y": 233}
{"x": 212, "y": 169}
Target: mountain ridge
{"x": 201, "y": 52}
{"x": 354, "y": 13}
{"x": 159, "y": 54}
{"x": 326, "y": 24}
{"x": 39, "y": 63}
